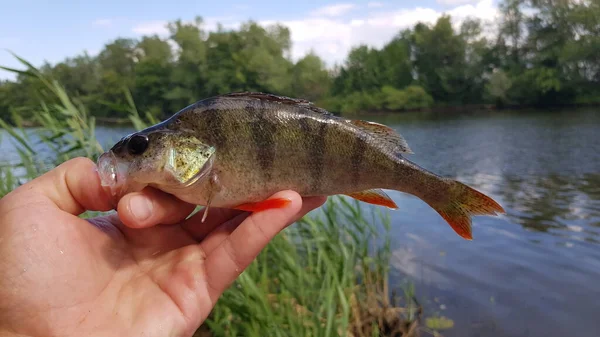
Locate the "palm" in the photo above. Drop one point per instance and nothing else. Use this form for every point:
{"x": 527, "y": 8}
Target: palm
{"x": 74, "y": 276}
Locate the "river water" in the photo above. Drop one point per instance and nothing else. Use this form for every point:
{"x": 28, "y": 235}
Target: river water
{"x": 533, "y": 272}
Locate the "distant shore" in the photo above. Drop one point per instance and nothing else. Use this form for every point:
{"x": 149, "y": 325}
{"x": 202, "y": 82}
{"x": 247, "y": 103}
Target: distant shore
{"x": 467, "y": 108}
{"x": 447, "y": 110}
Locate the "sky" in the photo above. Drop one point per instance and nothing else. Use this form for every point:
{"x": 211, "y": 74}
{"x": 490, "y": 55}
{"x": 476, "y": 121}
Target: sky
{"x": 42, "y": 31}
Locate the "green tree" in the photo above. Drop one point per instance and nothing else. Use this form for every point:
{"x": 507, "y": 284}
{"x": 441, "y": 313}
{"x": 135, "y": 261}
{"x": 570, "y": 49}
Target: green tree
{"x": 188, "y": 77}
{"x": 440, "y": 62}
{"x": 498, "y": 86}
{"x": 117, "y": 74}
{"x": 310, "y": 79}
{"x": 512, "y": 32}
{"x": 263, "y": 52}
{"x": 362, "y": 70}
{"x": 226, "y": 71}
{"x": 396, "y": 65}
{"x": 152, "y": 75}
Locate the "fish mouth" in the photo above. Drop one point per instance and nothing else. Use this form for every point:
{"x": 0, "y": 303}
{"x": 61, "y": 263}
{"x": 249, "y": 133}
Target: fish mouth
{"x": 113, "y": 173}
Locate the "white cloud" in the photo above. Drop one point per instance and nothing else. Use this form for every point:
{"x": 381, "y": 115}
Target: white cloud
{"x": 334, "y": 10}
{"x": 160, "y": 27}
{"x": 484, "y": 10}
{"x": 102, "y": 22}
{"x": 455, "y": 2}
{"x": 332, "y": 37}
{"x": 375, "y": 4}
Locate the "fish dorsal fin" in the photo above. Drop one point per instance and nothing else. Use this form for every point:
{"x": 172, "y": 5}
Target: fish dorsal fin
{"x": 299, "y": 102}
{"x": 381, "y": 131}
{"x": 374, "y": 196}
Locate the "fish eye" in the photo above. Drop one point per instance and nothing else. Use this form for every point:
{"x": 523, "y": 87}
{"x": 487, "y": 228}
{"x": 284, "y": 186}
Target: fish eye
{"x": 137, "y": 144}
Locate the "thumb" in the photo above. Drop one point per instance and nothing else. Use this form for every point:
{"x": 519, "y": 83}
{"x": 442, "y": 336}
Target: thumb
{"x": 74, "y": 187}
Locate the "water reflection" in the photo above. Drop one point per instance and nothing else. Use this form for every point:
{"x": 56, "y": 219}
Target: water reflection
{"x": 532, "y": 272}
{"x": 563, "y": 205}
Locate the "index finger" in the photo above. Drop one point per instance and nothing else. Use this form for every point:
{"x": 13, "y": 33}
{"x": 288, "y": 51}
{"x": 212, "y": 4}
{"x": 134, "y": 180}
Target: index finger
{"x": 231, "y": 257}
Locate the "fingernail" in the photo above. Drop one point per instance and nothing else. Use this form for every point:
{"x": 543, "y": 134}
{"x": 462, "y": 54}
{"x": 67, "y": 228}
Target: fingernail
{"x": 140, "y": 207}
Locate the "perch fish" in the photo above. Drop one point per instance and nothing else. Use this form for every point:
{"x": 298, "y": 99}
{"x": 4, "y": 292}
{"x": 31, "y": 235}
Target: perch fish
{"x": 238, "y": 149}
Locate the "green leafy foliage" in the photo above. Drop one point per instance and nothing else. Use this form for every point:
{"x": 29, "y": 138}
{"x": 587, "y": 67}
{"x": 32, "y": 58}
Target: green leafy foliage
{"x": 545, "y": 52}
{"x": 316, "y": 279}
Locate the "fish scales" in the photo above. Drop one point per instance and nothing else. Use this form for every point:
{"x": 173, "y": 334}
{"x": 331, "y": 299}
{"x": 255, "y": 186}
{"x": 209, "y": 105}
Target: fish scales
{"x": 236, "y": 150}
{"x": 291, "y": 144}
{"x": 328, "y": 144}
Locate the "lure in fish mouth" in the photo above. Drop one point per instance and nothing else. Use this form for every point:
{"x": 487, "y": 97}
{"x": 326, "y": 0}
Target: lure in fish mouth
{"x": 237, "y": 150}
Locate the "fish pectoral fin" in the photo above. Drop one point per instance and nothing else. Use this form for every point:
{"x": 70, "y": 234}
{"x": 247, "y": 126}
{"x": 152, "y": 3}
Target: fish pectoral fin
{"x": 375, "y": 197}
{"x": 384, "y": 132}
{"x": 213, "y": 189}
{"x": 264, "y": 205}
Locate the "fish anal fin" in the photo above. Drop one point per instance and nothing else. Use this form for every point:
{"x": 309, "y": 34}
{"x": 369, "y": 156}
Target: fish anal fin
{"x": 375, "y": 197}
{"x": 264, "y": 205}
{"x": 385, "y": 132}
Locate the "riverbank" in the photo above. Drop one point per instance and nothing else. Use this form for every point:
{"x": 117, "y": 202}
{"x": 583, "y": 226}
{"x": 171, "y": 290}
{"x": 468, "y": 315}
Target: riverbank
{"x": 475, "y": 108}
{"x": 446, "y": 110}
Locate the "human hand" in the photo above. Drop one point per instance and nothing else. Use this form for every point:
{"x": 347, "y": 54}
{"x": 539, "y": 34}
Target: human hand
{"x": 144, "y": 272}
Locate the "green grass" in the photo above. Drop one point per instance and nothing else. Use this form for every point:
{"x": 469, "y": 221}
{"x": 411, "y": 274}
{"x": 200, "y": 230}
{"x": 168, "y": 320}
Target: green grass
{"x": 320, "y": 277}
{"x": 327, "y": 275}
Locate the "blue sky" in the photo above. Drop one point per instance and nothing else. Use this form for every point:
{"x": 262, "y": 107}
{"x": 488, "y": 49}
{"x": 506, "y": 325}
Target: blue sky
{"x": 50, "y": 31}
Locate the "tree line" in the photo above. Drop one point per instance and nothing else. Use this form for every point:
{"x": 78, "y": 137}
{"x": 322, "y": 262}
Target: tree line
{"x": 543, "y": 52}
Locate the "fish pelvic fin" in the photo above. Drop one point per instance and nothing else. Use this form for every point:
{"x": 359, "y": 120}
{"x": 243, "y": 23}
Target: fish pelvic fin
{"x": 375, "y": 197}
{"x": 385, "y": 133}
{"x": 264, "y": 205}
{"x": 462, "y": 203}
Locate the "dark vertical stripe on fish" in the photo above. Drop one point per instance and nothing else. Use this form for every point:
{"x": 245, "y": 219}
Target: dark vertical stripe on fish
{"x": 215, "y": 127}
{"x": 263, "y": 132}
{"x": 304, "y": 126}
{"x": 319, "y": 156}
{"x": 358, "y": 155}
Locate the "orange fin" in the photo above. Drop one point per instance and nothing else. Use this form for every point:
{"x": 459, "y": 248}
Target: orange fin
{"x": 375, "y": 197}
{"x": 464, "y": 203}
{"x": 384, "y": 133}
{"x": 264, "y": 205}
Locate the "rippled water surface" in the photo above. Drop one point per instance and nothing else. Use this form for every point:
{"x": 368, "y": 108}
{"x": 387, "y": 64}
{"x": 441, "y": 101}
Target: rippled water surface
{"x": 533, "y": 272}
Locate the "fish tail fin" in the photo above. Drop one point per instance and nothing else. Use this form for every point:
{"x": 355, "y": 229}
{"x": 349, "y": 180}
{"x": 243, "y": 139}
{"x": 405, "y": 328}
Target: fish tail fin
{"x": 459, "y": 203}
